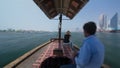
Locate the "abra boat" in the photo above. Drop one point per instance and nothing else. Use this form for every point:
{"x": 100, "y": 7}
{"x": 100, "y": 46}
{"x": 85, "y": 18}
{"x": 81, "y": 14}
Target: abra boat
{"x": 52, "y": 54}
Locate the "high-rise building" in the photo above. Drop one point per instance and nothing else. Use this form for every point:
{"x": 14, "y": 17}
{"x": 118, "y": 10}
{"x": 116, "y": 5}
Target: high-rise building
{"x": 114, "y": 22}
{"x": 103, "y": 22}
{"x": 119, "y": 23}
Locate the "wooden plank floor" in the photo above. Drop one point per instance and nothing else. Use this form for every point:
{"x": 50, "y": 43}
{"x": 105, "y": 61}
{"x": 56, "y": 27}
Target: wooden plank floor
{"x": 35, "y": 60}
{"x": 27, "y": 63}
{"x": 47, "y": 53}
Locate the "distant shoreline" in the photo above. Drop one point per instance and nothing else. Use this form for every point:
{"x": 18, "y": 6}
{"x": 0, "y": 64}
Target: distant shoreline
{"x": 115, "y": 31}
{"x": 111, "y": 31}
{"x": 29, "y": 31}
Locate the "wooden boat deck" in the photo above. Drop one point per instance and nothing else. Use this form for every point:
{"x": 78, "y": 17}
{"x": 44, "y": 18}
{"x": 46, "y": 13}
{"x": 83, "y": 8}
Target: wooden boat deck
{"x": 49, "y": 52}
{"x": 35, "y": 59}
{"x": 28, "y": 63}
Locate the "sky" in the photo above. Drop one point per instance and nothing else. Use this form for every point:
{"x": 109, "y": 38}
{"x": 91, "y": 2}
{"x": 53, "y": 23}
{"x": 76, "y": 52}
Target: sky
{"x": 26, "y": 15}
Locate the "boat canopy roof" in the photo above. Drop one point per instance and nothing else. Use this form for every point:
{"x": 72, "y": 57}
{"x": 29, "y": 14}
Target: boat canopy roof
{"x": 52, "y": 8}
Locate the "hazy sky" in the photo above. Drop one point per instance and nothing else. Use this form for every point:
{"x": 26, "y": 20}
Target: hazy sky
{"x": 25, "y": 14}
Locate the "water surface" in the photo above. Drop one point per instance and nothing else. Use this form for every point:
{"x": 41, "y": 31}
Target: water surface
{"x": 15, "y": 44}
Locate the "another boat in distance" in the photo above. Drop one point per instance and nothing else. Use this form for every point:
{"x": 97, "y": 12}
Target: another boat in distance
{"x": 52, "y": 54}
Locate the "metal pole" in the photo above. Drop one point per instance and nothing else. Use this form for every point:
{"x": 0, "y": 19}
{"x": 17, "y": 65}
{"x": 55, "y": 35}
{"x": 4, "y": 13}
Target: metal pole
{"x": 60, "y": 23}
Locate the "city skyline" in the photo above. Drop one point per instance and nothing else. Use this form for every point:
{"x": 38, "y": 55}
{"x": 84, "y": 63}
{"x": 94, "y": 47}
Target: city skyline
{"x": 112, "y": 23}
{"x": 26, "y": 15}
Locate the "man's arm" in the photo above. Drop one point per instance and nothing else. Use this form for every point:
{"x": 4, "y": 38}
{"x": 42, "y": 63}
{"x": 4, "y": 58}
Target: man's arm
{"x": 84, "y": 55}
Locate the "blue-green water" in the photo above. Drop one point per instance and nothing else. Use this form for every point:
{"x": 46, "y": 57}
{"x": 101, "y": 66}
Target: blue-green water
{"x": 15, "y": 44}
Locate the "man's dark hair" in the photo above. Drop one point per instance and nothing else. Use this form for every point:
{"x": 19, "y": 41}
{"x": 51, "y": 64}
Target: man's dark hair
{"x": 90, "y": 28}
